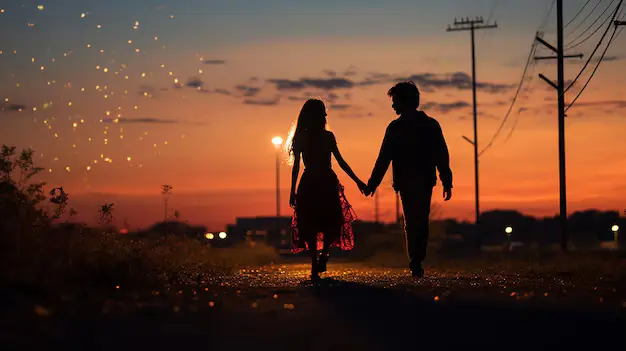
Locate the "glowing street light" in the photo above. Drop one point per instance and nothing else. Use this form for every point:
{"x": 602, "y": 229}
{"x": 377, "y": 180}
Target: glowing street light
{"x": 222, "y": 235}
{"x": 277, "y": 141}
{"x": 209, "y": 236}
{"x": 508, "y": 230}
{"x": 615, "y": 230}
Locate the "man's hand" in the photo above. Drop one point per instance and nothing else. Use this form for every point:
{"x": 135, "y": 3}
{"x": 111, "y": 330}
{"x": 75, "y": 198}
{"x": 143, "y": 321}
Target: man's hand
{"x": 447, "y": 194}
{"x": 368, "y": 191}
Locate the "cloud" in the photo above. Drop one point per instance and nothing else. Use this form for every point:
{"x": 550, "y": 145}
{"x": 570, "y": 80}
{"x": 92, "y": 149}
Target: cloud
{"x": 425, "y": 81}
{"x": 615, "y": 103}
{"x": 14, "y": 108}
{"x": 332, "y": 97}
{"x": 445, "y": 107}
{"x": 330, "y": 73}
{"x": 195, "y": 82}
{"x": 297, "y": 98}
{"x": 214, "y": 62}
{"x": 222, "y": 91}
{"x": 339, "y": 106}
{"x": 262, "y": 102}
{"x": 146, "y": 90}
{"x": 148, "y": 120}
{"x": 317, "y": 83}
{"x": 456, "y": 80}
{"x": 248, "y": 91}
{"x": 607, "y": 59}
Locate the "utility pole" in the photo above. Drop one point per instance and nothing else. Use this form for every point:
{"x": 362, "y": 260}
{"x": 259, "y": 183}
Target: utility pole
{"x": 560, "y": 87}
{"x": 277, "y": 184}
{"x": 619, "y": 23}
{"x": 397, "y": 208}
{"x": 376, "y": 207}
{"x": 472, "y": 25}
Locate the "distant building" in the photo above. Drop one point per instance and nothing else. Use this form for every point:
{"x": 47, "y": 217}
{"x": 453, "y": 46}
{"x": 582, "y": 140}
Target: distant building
{"x": 276, "y": 231}
{"x": 273, "y": 231}
{"x": 174, "y": 228}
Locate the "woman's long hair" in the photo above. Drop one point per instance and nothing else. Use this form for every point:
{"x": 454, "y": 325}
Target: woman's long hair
{"x": 312, "y": 119}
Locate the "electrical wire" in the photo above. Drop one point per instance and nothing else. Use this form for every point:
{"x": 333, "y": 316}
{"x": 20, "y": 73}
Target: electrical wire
{"x": 514, "y": 126}
{"x": 596, "y": 48}
{"x": 586, "y": 17}
{"x": 519, "y": 88}
{"x": 613, "y": 36}
{"x": 578, "y": 14}
{"x": 590, "y": 26}
{"x": 570, "y": 46}
{"x": 529, "y": 62}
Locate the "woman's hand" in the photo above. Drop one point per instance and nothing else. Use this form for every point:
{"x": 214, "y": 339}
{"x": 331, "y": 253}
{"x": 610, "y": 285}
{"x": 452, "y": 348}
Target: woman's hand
{"x": 362, "y": 187}
{"x": 292, "y": 200}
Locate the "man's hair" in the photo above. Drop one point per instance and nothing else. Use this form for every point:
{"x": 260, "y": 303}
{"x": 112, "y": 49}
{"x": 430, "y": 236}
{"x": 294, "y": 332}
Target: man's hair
{"x": 406, "y": 92}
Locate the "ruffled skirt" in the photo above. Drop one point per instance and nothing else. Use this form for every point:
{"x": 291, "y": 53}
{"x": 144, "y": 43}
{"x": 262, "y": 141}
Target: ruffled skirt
{"x": 322, "y": 209}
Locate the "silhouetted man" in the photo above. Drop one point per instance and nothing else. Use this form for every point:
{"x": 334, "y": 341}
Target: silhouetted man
{"x": 415, "y": 144}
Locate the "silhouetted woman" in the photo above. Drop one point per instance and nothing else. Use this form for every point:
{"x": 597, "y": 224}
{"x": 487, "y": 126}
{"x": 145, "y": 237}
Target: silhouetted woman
{"x": 323, "y": 217}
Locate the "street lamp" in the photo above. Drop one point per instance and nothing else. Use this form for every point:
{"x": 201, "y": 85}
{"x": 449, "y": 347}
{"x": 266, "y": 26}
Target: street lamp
{"x": 209, "y": 236}
{"x": 615, "y": 230}
{"x": 508, "y": 230}
{"x": 277, "y": 141}
{"x": 222, "y": 235}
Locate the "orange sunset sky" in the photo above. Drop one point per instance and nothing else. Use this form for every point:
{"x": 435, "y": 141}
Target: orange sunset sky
{"x": 190, "y": 93}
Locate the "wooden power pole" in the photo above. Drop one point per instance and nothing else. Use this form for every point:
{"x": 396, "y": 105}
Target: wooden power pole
{"x": 560, "y": 88}
{"x": 467, "y": 24}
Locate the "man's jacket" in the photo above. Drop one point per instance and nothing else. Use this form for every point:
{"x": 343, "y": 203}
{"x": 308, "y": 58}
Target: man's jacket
{"x": 415, "y": 146}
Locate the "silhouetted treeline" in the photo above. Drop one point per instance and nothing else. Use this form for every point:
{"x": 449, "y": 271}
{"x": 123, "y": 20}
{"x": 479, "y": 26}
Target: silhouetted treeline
{"x": 586, "y": 228}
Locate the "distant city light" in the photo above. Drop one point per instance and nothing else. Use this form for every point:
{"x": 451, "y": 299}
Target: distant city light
{"x": 508, "y": 230}
{"x": 123, "y": 231}
{"x": 222, "y": 235}
{"x": 277, "y": 141}
{"x": 615, "y": 228}
{"x": 209, "y": 236}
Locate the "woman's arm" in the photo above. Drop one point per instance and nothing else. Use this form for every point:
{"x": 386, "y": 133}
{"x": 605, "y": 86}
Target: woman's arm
{"x": 343, "y": 164}
{"x": 294, "y": 177}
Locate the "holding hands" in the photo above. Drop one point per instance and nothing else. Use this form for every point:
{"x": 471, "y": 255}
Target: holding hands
{"x": 365, "y": 190}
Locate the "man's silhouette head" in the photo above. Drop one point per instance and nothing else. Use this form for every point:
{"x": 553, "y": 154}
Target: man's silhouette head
{"x": 405, "y": 97}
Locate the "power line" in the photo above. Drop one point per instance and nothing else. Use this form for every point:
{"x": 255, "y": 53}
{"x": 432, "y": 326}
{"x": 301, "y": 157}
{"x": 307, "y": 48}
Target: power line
{"x": 547, "y": 18}
{"x": 519, "y": 88}
{"x": 594, "y": 70}
{"x": 578, "y": 14}
{"x": 533, "y": 50}
{"x": 586, "y": 17}
{"x": 569, "y": 47}
{"x": 472, "y": 25}
{"x": 596, "y": 48}
{"x": 590, "y": 26}
{"x": 518, "y": 116}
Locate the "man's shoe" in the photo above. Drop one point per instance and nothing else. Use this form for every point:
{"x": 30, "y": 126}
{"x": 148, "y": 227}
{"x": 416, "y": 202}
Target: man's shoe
{"x": 322, "y": 261}
{"x": 419, "y": 272}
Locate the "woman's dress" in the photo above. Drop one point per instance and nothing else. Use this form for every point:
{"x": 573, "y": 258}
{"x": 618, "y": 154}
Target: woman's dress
{"x": 321, "y": 208}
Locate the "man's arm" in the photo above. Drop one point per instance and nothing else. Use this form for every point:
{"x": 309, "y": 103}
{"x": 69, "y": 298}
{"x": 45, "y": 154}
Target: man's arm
{"x": 382, "y": 163}
{"x": 442, "y": 157}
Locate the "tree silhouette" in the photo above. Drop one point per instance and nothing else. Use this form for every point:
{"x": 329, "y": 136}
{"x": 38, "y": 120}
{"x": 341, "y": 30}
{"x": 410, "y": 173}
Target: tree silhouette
{"x": 59, "y": 197}
{"x": 106, "y": 213}
{"x": 24, "y": 166}
{"x": 166, "y": 191}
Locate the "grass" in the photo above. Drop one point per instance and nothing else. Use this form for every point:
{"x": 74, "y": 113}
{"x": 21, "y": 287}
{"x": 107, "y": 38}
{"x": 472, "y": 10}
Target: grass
{"x": 96, "y": 259}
